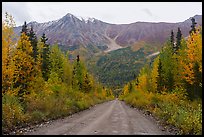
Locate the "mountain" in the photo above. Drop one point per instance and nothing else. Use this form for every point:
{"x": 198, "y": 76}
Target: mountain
{"x": 127, "y": 47}
{"x": 71, "y": 32}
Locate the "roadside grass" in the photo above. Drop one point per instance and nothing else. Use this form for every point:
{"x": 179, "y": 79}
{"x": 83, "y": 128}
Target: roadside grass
{"x": 173, "y": 109}
{"x": 49, "y": 103}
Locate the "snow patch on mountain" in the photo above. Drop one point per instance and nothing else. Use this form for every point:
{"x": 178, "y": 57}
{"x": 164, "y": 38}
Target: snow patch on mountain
{"x": 86, "y": 19}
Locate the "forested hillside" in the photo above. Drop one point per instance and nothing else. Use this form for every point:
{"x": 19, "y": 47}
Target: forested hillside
{"x": 118, "y": 67}
{"x": 39, "y": 82}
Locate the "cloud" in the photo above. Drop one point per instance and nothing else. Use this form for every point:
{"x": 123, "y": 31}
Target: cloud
{"x": 112, "y": 12}
{"x": 148, "y": 12}
{"x": 17, "y": 10}
{"x": 151, "y": 17}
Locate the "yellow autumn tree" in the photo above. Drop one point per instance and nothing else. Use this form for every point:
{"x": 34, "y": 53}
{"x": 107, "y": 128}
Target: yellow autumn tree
{"x": 103, "y": 93}
{"x": 154, "y": 75}
{"x": 191, "y": 63}
{"x": 67, "y": 74}
{"x": 39, "y": 58}
{"x": 194, "y": 56}
{"x": 143, "y": 81}
{"x": 126, "y": 89}
{"x": 24, "y": 62}
{"x": 8, "y": 47}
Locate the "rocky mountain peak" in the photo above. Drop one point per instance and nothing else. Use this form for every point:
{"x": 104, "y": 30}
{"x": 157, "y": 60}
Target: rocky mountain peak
{"x": 72, "y": 30}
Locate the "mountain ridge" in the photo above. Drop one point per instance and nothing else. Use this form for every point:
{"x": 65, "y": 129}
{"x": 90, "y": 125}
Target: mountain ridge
{"x": 71, "y": 31}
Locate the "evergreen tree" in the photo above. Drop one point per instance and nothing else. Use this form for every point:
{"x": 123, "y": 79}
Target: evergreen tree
{"x": 33, "y": 40}
{"x": 172, "y": 38}
{"x": 87, "y": 84}
{"x": 77, "y": 77}
{"x": 193, "y": 25}
{"x": 44, "y": 39}
{"x": 178, "y": 41}
{"x": 78, "y": 58}
{"x": 24, "y": 28}
{"x": 197, "y": 89}
{"x": 81, "y": 80}
{"x": 45, "y": 57}
{"x": 159, "y": 77}
{"x": 168, "y": 66}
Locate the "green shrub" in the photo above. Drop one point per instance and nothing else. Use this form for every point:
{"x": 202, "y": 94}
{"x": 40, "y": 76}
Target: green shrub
{"x": 37, "y": 116}
{"x": 12, "y": 112}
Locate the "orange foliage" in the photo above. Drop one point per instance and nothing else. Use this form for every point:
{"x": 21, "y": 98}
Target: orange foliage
{"x": 194, "y": 55}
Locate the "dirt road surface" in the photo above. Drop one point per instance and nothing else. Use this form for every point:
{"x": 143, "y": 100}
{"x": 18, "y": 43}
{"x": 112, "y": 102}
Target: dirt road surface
{"x": 109, "y": 118}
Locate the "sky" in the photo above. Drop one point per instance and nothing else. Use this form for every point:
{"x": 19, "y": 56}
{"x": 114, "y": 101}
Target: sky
{"x": 110, "y": 12}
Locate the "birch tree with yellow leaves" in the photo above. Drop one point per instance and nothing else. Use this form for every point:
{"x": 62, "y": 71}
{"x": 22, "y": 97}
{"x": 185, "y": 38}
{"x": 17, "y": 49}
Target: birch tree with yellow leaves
{"x": 8, "y": 44}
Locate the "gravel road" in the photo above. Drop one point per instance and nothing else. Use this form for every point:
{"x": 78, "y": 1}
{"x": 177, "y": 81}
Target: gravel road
{"x": 109, "y": 118}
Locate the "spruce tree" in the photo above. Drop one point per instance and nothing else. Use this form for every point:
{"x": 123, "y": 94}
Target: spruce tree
{"x": 193, "y": 25}
{"x": 173, "y": 46}
{"x": 172, "y": 38}
{"x": 24, "y": 28}
{"x": 33, "y": 40}
{"x": 45, "y": 57}
{"x": 78, "y": 58}
{"x": 178, "y": 40}
{"x": 159, "y": 77}
{"x": 87, "y": 84}
{"x": 79, "y": 74}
